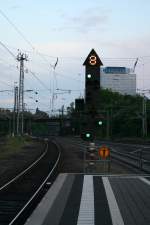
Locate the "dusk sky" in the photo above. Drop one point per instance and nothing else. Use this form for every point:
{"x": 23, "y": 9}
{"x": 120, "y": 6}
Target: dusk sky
{"x": 117, "y": 30}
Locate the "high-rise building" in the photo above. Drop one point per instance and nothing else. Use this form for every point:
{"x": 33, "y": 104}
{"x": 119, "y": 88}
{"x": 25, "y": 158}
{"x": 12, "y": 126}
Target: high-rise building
{"x": 119, "y": 79}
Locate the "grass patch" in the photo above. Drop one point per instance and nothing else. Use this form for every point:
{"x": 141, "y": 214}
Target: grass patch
{"x": 12, "y": 145}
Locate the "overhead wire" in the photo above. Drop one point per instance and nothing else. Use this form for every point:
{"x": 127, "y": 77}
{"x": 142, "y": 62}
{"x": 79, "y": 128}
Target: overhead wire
{"x": 68, "y": 77}
{"x": 78, "y": 58}
{"x": 15, "y": 66}
{"x": 42, "y": 55}
{"x": 34, "y": 73}
{"x": 29, "y": 43}
{"x": 15, "y": 27}
{"x": 8, "y": 50}
{"x": 124, "y": 59}
{"x": 6, "y": 90}
{"x": 24, "y": 37}
{"x": 40, "y": 81}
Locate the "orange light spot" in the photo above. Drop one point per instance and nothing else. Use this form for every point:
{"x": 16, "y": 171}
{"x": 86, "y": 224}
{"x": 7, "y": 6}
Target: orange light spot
{"x": 93, "y": 60}
{"x": 104, "y": 152}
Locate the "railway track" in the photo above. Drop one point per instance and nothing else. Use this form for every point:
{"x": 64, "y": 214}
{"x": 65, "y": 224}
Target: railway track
{"x": 133, "y": 155}
{"x": 134, "y": 161}
{"x": 124, "y": 154}
{"x": 19, "y": 196}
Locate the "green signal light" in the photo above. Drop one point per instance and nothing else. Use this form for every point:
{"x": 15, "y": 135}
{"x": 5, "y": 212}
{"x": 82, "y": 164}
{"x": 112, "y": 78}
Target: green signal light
{"x": 89, "y": 76}
{"x": 100, "y": 123}
{"x": 88, "y": 135}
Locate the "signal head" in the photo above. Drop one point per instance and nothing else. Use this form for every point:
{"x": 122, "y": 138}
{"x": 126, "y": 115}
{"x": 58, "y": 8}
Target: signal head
{"x": 99, "y": 123}
{"x": 87, "y": 136}
{"x": 89, "y": 76}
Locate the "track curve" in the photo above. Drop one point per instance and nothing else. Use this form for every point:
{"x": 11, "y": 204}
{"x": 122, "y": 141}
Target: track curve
{"x": 19, "y": 196}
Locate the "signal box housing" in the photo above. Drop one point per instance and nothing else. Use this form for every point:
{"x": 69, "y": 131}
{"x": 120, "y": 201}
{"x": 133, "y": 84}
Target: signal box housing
{"x": 92, "y": 79}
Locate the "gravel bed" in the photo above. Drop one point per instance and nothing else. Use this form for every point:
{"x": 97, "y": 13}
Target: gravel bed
{"x": 13, "y": 164}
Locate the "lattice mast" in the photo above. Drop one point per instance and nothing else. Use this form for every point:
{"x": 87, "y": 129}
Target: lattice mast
{"x": 15, "y": 109}
{"x": 20, "y": 120}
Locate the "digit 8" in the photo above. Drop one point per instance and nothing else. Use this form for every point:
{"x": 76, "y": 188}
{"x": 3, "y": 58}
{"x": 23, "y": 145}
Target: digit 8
{"x": 93, "y": 60}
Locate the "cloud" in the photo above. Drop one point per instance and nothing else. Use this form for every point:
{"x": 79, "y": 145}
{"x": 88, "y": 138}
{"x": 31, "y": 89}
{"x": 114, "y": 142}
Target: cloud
{"x": 64, "y": 48}
{"x": 15, "y": 7}
{"x": 129, "y": 47}
{"x": 86, "y": 21}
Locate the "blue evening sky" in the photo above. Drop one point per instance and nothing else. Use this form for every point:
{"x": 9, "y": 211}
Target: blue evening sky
{"x": 118, "y": 30}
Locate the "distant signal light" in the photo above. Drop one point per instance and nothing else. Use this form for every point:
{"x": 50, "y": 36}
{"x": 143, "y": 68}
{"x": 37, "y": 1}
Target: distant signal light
{"x": 89, "y": 76}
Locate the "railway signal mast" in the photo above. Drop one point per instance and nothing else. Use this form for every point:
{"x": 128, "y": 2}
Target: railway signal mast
{"x": 21, "y": 57}
{"x": 92, "y": 87}
{"x": 92, "y": 79}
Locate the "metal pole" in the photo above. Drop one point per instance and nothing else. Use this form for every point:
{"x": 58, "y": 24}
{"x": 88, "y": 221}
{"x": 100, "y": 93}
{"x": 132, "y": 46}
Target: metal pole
{"x": 13, "y": 134}
{"x": 22, "y": 100}
{"x": 15, "y": 109}
{"x": 108, "y": 125}
{"x": 21, "y": 57}
{"x": 19, "y": 98}
{"x": 144, "y": 117}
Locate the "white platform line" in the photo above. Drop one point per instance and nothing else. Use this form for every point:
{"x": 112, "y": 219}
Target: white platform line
{"x": 145, "y": 180}
{"x": 86, "y": 212}
{"x": 113, "y": 206}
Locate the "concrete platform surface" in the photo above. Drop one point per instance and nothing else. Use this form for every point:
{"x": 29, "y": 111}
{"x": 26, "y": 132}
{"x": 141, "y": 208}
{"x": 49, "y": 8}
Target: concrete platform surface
{"x": 77, "y": 199}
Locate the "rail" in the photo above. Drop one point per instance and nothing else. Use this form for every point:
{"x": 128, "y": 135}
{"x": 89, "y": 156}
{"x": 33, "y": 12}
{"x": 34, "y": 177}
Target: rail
{"x": 22, "y": 211}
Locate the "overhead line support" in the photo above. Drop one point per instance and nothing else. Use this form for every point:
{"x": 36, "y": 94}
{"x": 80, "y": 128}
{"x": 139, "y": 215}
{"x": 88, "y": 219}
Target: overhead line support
{"x": 21, "y": 57}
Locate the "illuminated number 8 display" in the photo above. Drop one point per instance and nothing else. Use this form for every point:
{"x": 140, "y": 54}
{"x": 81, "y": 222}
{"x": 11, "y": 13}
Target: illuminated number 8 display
{"x": 92, "y": 60}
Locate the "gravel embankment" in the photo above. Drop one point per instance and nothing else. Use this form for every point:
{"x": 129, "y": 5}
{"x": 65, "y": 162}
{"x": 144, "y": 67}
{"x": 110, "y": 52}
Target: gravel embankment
{"x": 13, "y": 164}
